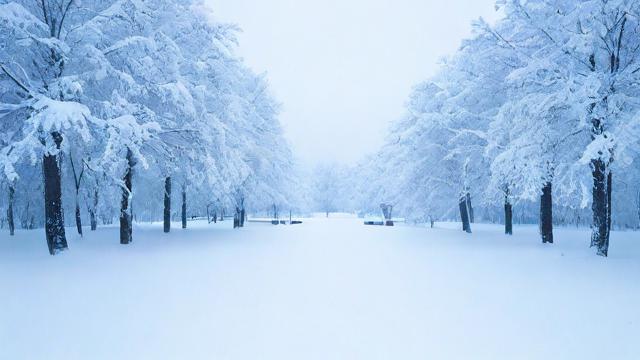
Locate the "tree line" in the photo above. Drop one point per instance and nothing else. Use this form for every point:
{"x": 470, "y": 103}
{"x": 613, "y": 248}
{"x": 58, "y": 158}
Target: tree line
{"x": 111, "y": 106}
{"x": 539, "y": 108}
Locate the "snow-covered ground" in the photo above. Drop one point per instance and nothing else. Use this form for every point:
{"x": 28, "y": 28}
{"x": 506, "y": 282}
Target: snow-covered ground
{"x": 327, "y": 289}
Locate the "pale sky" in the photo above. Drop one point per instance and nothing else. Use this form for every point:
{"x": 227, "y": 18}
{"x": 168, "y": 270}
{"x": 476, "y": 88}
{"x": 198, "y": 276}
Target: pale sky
{"x": 343, "y": 69}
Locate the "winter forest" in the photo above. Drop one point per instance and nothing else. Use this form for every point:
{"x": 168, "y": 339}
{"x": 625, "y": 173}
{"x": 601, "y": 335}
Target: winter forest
{"x": 111, "y": 106}
{"x": 142, "y": 150}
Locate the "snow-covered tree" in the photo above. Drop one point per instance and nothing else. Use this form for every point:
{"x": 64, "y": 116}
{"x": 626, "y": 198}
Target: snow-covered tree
{"x": 580, "y": 76}
{"x": 122, "y": 92}
{"x": 517, "y": 114}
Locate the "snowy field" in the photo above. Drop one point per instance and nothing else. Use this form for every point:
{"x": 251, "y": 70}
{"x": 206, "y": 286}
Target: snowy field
{"x": 327, "y": 289}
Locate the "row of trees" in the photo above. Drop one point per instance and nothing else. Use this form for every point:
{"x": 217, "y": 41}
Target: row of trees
{"x": 542, "y": 106}
{"x": 105, "y": 99}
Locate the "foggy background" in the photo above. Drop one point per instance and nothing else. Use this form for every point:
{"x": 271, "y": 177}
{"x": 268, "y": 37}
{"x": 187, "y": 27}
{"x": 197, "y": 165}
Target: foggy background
{"x": 343, "y": 69}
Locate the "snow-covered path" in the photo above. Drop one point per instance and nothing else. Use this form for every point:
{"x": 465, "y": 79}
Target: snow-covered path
{"x": 327, "y": 289}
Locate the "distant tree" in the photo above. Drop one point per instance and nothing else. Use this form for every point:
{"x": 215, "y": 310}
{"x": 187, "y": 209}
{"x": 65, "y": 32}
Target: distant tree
{"x": 326, "y": 188}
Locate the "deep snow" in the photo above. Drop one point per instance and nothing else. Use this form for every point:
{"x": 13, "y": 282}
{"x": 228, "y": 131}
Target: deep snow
{"x": 327, "y": 289}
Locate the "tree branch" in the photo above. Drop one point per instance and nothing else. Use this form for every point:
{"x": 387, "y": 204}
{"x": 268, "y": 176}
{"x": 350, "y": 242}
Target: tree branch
{"x": 64, "y": 15}
{"x": 15, "y": 80}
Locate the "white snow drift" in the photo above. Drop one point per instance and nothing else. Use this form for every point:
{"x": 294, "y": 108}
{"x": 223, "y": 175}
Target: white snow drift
{"x": 326, "y": 289}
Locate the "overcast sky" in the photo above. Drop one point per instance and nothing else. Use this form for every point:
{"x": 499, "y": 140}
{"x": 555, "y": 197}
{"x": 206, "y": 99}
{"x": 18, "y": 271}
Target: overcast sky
{"x": 343, "y": 68}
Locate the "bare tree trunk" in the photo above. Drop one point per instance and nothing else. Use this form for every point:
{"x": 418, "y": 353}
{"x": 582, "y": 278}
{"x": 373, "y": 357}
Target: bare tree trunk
{"x": 25, "y": 222}
{"x": 167, "y": 204}
{"x": 600, "y": 193}
{"x": 93, "y": 212}
{"x": 236, "y": 218}
{"x": 470, "y": 209}
{"x": 10, "y": 220}
{"x": 243, "y": 215}
{"x": 54, "y": 215}
{"x": 508, "y": 216}
{"x": 546, "y": 214}
{"x": 78, "y": 217}
{"x": 126, "y": 226}
{"x": 609, "y": 193}
{"x": 599, "y": 207}
{"x": 184, "y": 206}
{"x": 464, "y": 214}
{"x": 77, "y": 179}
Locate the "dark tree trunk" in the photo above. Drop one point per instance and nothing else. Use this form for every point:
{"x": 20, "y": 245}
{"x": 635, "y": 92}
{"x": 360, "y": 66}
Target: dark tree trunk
{"x": 599, "y": 207}
{"x": 243, "y": 215}
{"x": 184, "y": 207}
{"x": 236, "y": 219}
{"x": 546, "y": 214}
{"x": 25, "y": 222}
{"x": 77, "y": 178}
{"x": 609, "y": 194}
{"x": 94, "y": 209}
{"x": 470, "y": 208}
{"x": 464, "y": 214}
{"x": 508, "y": 216}
{"x": 78, "y": 217}
{"x": 93, "y": 220}
{"x": 126, "y": 227}
{"x": 215, "y": 217}
{"x": 167, "y": 204}
{"x": 601, "y": 197}
{"x": 54, "y": 216}
{"x": 12, "y": 227}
